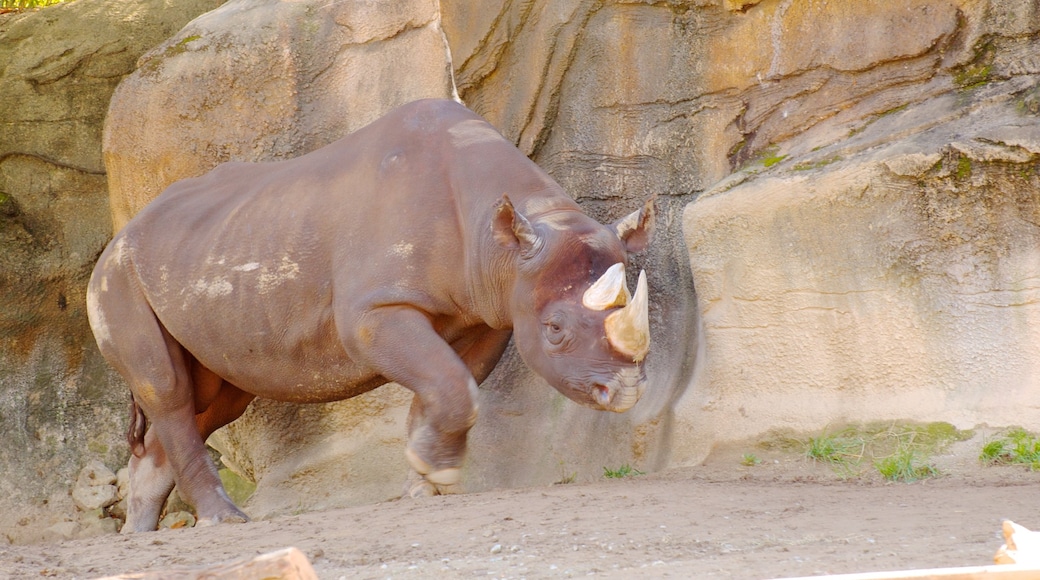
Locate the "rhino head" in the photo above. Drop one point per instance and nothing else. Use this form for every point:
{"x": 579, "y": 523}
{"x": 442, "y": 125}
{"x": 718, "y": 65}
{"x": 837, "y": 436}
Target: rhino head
{"x": 575, "y": 322}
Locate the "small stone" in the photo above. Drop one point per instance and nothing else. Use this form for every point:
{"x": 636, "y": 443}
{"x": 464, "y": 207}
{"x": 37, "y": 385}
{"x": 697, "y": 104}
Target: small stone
{"x": 92, "y": 497}
{"x": 123, "y": 482}
{"x": 96, "y": 473}
{"x": 496, "y": 548}
{"x": 94, "y": 514}
{"x": 59, "y": 531}
{"x": 98, "y": 527}
{"x": 118, "y": 509}
{"x": 175, "y": 520}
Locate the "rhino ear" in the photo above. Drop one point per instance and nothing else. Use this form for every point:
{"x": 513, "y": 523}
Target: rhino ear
{"x": 512, "y": 230}
{"x": 636, "y": 229}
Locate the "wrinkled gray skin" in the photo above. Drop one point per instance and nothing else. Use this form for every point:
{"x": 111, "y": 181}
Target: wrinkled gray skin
{"x": 392, "y": 254}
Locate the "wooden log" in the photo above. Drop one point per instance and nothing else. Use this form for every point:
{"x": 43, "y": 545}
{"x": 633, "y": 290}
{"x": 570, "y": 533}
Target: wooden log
{"x": 285, "y": 564}
{"x": 1005, "y": 572}
{"x": 1021, "y": 545}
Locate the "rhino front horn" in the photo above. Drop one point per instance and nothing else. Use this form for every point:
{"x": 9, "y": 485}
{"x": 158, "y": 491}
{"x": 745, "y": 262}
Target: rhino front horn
{"x": 628, "y": 329}
{"x": 609, "y": 291}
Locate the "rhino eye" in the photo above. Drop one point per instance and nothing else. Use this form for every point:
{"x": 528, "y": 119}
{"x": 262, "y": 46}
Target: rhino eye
{"x": 554, "y": 331}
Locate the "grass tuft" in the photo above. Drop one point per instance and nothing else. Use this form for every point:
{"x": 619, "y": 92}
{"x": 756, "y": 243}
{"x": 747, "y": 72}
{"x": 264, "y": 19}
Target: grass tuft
{"x": 750, "y": 460}
{"x": 905, "y": 464}
{"x": 625, "y": 470}
{"x": 1016, "y": 447}
{"x": 17, "y": 5}
{"x": 898, "y": 452}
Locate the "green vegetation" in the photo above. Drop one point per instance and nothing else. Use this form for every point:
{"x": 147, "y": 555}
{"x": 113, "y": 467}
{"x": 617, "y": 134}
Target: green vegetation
{"x": 905, "y": 464}
{"x": 625, "y": 470}
{"x": 805, "y": 165}
{"x": 973, "y": 75}
{"x": 897, "y": 452}
{"x": 566, "y": 476}
{"x": 750, "y": 460}
{"x": 238, "y": 488}
{"x": 963, "y": 168}
{"x": 770, "y": 158}
{"x": 7, "y": 5}
{"x": 838, "y": 450}
{"x": 978, "y": 71}
{"x": 1016, "y": 447}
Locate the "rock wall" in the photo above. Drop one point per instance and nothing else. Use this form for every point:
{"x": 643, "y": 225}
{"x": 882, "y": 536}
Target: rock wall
{"x": 60, "y": 404}
{"x": 340, "y": 67}
{"x": 849, "y": 187}
{"x": 876, "y": 257}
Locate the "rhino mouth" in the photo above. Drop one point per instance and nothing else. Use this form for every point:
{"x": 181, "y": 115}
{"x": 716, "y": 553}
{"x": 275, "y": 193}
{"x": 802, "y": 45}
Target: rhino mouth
{"x": 617, "y": 393}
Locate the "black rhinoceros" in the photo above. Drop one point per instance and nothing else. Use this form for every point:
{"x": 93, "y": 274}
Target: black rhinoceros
{"x": 408, "y": 251}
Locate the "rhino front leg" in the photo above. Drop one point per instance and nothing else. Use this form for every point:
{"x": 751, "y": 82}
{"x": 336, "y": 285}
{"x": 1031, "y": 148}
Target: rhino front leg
{"x": 480, "y": 350}
{"x": 401, "y": 344}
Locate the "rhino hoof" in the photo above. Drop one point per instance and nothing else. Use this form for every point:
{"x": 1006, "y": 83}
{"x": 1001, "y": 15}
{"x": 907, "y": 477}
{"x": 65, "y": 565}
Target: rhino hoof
{"x": 449, "y": 476}
{"x": 441, "y": 477}
{"x": 231, "y": 518}
{"x": 422, "y": 488}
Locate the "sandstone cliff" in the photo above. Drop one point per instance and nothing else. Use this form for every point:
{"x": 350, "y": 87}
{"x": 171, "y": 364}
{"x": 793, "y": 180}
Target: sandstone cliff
{"x": 846, "y": 191}
{"x": 60, "y": 404}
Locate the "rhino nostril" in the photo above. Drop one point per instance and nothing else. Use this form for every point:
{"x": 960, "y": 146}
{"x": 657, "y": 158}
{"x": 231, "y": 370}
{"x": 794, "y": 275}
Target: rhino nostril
{"x": 602, "y": 394}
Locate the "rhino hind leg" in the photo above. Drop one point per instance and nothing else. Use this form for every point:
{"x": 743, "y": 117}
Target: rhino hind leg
{"x": 152, "y": 475}
{"x": 157, "y": 369}
{"x": 151, "y": 481}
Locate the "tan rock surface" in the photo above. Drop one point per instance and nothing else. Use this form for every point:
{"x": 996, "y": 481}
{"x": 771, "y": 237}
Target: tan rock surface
{"x": 60, "y": 404}
{"x": 255, "y": 81}
{"x": 875, "y": 279}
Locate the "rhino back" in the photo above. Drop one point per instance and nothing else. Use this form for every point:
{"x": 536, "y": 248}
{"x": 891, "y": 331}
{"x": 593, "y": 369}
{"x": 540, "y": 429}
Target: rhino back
{"x": 250, "y": 266}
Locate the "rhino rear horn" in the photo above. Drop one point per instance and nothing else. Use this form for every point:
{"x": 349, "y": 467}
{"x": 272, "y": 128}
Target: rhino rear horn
{"x": 628, "y": 329}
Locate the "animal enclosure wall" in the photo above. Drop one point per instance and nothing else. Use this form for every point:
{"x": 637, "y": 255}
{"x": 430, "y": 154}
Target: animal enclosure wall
{"x": 846, "y": 225}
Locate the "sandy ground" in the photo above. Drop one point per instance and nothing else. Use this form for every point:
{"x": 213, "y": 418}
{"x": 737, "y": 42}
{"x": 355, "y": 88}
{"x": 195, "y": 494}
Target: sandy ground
{"x": 785, "y": 517}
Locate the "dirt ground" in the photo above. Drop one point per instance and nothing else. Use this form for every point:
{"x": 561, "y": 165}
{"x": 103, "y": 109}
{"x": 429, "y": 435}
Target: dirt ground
{"x": 784, "y": 517}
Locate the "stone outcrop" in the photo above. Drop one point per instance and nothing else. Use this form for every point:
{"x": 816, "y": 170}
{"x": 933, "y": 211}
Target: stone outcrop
{"x": 846, "y": 198}
{"x": 266, "y": 80}
{"x": 876, "y": 257}
{"x": 60, "y": 404}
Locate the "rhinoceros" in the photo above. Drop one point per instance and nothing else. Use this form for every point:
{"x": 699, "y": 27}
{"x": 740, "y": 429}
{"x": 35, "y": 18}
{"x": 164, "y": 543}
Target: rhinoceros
{"x": 409, "y": 251}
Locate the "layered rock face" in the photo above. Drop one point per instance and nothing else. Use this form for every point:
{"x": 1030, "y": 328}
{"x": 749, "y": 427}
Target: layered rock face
{"x": 876, "y": 257}
{"x": 267, "y": 80}
{"x": 60, "y": 404}
{"x": 846, "y": 197}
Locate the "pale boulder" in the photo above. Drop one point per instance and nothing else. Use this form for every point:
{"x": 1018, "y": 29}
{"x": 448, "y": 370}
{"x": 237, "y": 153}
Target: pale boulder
{"x": 878, "y": 278}
{"x": 265, "y": 80}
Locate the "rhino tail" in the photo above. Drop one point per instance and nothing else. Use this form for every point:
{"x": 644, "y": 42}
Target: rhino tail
{"x": 138, "y": 424}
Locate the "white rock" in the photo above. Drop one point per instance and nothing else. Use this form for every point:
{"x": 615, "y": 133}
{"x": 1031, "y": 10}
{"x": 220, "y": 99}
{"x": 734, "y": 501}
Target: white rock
{"x": 96, "y": 473}
{"x": 123, "y": 482}
{"x": 91, "y": 497}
